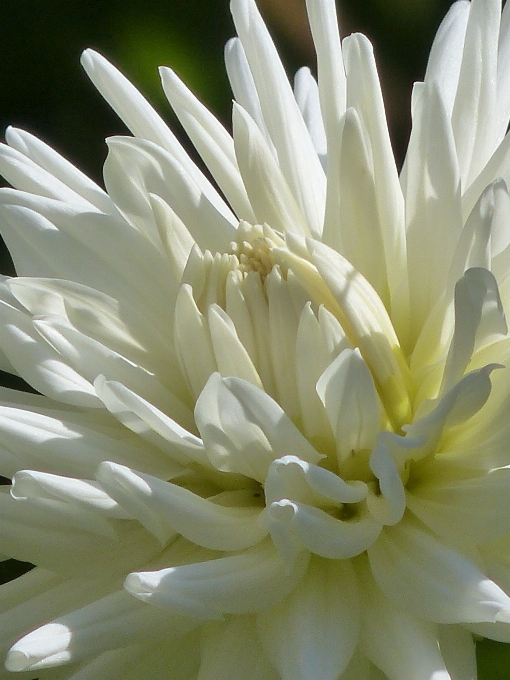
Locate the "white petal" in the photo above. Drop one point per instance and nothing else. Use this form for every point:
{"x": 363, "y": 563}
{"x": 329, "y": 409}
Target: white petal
{"x": 231, "y": 649}
{"x": 389, "y": 503}
{"x": 433, "y": 208}
{"x": 297, "y": 157}
{"x": 314, "y": 631}
{"x": 267, "y": 188}
{"x": 468, "y": 510}
{"x": 245, "y": 583}
{"x": 347, "y": 390}
{"x": 475, "y": 101}
{"x": 117, "y": 620}
{"x": 229, "y": 352}
{"x": 211, "y": 140}
{"x": 165, "y": 508}
{"x": 149, "y": 422}
{"x": 306, "y": 93}
{"x": 352, "y": 219}
{"x": 141, "y": 119}
{"x": 367, "y": 325}
{"x": 400, "y": 644}
{"x": 446, "y": 53}
{"x": 291, "y": 477}
{"x": 479, "y": 318}
{"x": 459, "y": 652}
{"x": 332, "y": 81}
{"x": 365, "y": 95}
{"x": 319, "y": 532}
{"x": 69, "y": 443}
{"x": 48, "y": 159}
{"x": 243, "y": 86}
{"x": 26, "y": 175}
{"x": 53, "y": 534}
{"x": 433, "y": 581}
{"x": 39, "y": 364}
{"x": 312, "y": 358}
{"x": 136, "y": 168}
{"x": 244, "y": 430}
{"x": 30, "y": 484}
{"x": 193, "y": 341}
{"x": 122, "y": 325}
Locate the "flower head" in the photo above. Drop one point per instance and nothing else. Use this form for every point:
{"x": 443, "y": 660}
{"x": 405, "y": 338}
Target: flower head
{"x": 271, "y": 439}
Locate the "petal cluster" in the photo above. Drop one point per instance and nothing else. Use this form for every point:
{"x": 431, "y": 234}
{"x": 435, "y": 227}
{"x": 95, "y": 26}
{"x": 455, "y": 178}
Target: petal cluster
{"x": 270, "y": 435}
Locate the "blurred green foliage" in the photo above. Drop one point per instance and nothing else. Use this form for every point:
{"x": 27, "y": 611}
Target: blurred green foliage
{"x": 43, "y": 89}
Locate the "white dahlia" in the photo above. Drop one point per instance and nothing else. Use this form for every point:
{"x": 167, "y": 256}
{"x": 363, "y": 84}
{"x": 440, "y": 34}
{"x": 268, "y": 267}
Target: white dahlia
{"x": 273, "y": 435}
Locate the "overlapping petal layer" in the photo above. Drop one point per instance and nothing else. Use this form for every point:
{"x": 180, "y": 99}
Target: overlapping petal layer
{"x": 271, "y": 439}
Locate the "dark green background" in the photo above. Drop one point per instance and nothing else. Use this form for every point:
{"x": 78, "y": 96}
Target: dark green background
{"x": 43, "y": 89}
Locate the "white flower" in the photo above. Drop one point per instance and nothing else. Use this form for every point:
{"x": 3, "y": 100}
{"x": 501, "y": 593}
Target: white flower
{"x": 272, "y": 440}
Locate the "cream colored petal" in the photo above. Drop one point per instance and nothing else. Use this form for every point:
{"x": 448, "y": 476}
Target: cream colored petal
{"x": 352, "y": 224}
{"x": 179, "y": 658}
{"x": 388, "y": 504}
{"x": 314, "y": 631}
{"x": 457, "y": 406}
{"x": 459, "y": 652}
{"x": 231, "y": 357}
{"x": 366, "y": 323}
{"x": 283, "y": 325}
{"x": 479, "y": 238}
{"x": 323, "y": 20}
{"x": 312, "y": 358}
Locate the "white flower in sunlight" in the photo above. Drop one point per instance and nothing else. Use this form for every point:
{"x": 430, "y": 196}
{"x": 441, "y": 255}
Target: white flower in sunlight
{"x": 272, "y": 439}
